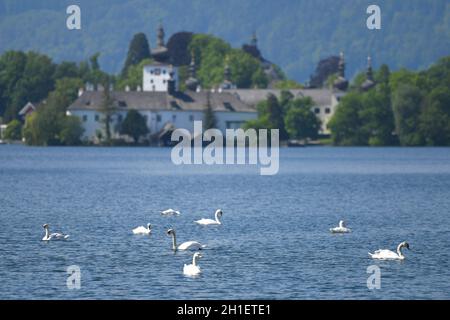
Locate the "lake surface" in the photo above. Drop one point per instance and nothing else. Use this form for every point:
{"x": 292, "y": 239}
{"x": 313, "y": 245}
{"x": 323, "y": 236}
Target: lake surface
{"x": 274, "y": 242}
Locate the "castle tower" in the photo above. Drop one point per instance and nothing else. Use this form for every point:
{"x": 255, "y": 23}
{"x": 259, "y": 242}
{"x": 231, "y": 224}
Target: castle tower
{"x": 369, "y": 82}
{"x": 160, "y": 53}
{"x": 227, "y": 83}
{"x": 192, "y": 82}
{"x": 341, "y": 83}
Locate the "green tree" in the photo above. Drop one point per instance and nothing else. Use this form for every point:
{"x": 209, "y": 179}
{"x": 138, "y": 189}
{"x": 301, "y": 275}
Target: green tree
{"x": 42, "y": 128}
{"x": 406, "y": 104}
{"x": 209, "y": 118}
{"x": 107, "y": 109}
{"x": 71, "y": 131}
{"x": 134, "y": 76}
{"x": 48, "y": 125}
{"x": 138, "y": 50}
{"x": 300, "y": 121}
{"x": 13, "y": 130}
{"x": 134, "y": 125}
{"x": 434, "y": 121}
{"x": 24, "y": 77}
{"x": 211, "y": 54}
{"x": 346, "y": 124}
{"x": 276, "y": 116}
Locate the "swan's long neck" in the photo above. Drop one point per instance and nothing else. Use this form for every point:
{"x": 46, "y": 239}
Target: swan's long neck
{"x": 399, "y": 250}
{"x": 217, "y": 217}
{"x": 46, "y": 232}
{"x": 174, "y": 241}
{"x": 194, "y": 260}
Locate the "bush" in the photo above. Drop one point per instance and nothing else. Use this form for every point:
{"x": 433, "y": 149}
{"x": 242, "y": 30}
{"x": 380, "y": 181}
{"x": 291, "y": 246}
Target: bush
{"x": 13, "y": 131}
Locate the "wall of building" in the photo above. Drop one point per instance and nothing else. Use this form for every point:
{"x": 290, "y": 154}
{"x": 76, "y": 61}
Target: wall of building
{"x": 156, "y": 77}
{"x": 92, "y": 120}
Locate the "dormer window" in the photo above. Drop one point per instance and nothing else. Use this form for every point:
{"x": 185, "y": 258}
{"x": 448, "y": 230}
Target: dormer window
{"x": 228, "y": 106}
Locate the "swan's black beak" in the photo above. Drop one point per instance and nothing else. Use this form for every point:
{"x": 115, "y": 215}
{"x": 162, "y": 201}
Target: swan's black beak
{"x": 407, "y": 246}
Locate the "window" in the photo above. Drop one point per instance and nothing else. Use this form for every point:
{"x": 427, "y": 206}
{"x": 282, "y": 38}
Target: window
{"x": 317, "y": 110}
{"x": 151, "y": 80}
{"x": 119, "y": 118}
{"x": 174, "y": 105}
{"x": 151, "y": 71}
{"x": 84, "y": 118}
{"x": 122, "y": 103}
{"x": 164, "y": 71}
{"x": 157, "y": 72}
{"x": 191, "y": 117}
{"x": 97, "y": 118}
{"x": 228, "y": 106}
{"x": 164, "y": 81}
{"x": 158, "y": 118}
{"x": 174, "y": 117}
{"x": 327, "y": 110}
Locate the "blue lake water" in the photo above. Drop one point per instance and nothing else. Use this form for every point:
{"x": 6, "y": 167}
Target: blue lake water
{"x": 274, "y": 242}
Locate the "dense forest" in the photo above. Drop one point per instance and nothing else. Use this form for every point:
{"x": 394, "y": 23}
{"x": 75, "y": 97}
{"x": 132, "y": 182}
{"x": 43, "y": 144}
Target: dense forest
{"x": 295, "y": 34}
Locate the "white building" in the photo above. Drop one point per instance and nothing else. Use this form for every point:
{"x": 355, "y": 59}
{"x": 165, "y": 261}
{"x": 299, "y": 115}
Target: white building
{"x": 325, "y": 101}
{"x": 160, "y": 109}
{"x": 157, "y": 77}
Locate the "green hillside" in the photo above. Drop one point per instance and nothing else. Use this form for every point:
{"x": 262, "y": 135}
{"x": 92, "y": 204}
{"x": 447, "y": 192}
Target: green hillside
{"x": 294, "y": 34}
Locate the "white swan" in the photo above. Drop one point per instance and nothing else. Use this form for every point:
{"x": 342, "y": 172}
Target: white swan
{"x": 194, "y": 245}
{"x": 143, "y": 230}
{"x": 384, "y": 254}
{"x": 193, "y": 269}
{"x": 170, "y": 212}
{"x": 341, "y": 229}
{"x": 53, "y": 236}
{"x": 207, "y": 222}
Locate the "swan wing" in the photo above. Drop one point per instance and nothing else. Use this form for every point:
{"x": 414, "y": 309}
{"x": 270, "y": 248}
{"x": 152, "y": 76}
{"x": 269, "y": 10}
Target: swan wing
{"x": 170, "y": 212}
{"x": 190, "y": 245}
{"x": 385, "y": 254}
{"x": 206, "y": 221}
{"x": 57, "y": 236}
{"x": 140, "y": 230}
{"x": 191, "y": 270}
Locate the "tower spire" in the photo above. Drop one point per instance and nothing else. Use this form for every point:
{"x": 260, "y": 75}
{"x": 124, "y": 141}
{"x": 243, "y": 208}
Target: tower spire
{"x": 369, "y": 82}
{"x": 227, "y": 71}
{"x": 341, "y": 65}
{"x": 192, "y": 82}
{"x": 227, "y": 84}
{"x": 369, "y": 72}
{"x": 160, "y": 35}
{"x": 341, "y": 83}
{"x": 192, "y": 69}
{"x": 254, "y": 40}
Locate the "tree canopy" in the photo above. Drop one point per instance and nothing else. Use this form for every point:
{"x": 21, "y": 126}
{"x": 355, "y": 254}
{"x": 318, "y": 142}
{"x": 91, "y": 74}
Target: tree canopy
{"x": 138, "y": 50}
{"x": 134, "y": 125}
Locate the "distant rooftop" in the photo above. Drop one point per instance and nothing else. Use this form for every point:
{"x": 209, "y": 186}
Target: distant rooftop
{"x": 251, "y": 97}
{"x": 163, "y": 101}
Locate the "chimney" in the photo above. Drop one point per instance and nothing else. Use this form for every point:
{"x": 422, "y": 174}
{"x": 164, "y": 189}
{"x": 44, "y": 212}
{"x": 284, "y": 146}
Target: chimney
{"x": 80, "y": 91}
